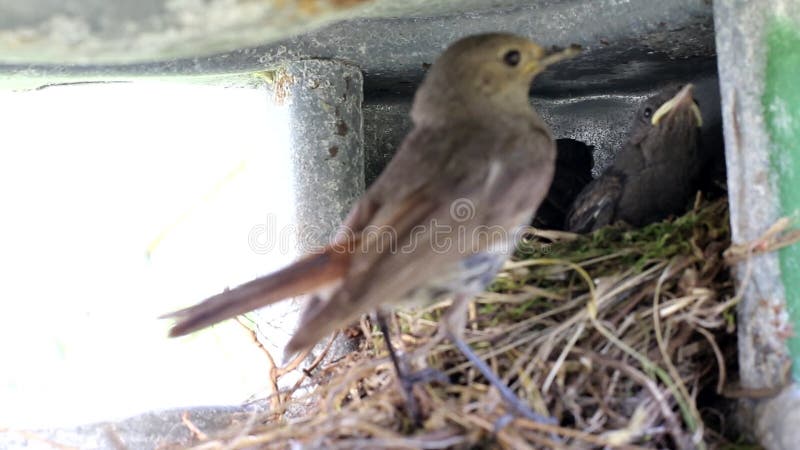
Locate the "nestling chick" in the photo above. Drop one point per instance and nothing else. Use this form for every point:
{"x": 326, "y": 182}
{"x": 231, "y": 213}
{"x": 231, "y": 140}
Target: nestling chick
{"x": 654, "y": 173}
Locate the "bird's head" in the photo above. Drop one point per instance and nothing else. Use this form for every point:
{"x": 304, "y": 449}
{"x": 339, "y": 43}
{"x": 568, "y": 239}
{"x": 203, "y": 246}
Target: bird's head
{"x": 487, "y": 72}
{"x": 675, "y": 106}
{"x": 671, "y": 117}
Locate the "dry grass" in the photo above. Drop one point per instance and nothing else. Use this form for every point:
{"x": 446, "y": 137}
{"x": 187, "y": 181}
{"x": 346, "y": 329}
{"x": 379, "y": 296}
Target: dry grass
{"x": 625, "y": 336}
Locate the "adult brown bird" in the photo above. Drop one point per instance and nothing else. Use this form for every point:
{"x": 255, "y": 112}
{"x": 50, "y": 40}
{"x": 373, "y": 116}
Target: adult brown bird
{"x": 654, "y": 173}
{"x": 443, "y": 216}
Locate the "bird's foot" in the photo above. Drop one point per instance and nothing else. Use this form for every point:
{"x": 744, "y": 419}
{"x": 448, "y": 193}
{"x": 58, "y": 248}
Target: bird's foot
{"x": 406, "y": 377}
{"x": 409, "y": 379}
{"x": 517, "y": 406}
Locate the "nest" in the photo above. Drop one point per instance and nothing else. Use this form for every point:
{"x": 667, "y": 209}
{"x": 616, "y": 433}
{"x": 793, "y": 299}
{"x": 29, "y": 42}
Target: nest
{"x": 626, "y": 336}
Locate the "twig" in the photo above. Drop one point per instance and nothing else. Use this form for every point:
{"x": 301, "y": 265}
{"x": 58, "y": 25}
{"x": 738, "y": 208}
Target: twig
{"x": 722, "y": 377}
{"x": 31, "y": 436}
{"x": 674, "y": 427}
{"x": 690, "y": 414}
{"x": 568, "y": 432}
{"x": 772, "y": 239}
{"x": 316, "y": 361}
{"x": 198, "y": 434}
{"x": 272, "y": 379}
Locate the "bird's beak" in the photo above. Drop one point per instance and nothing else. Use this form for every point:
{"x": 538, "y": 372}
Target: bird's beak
{"x": 682, "y": 98}
{"x": 539, "y": 64}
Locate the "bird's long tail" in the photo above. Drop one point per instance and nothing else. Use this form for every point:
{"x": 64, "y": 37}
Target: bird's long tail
{"x": 306, "y": 275}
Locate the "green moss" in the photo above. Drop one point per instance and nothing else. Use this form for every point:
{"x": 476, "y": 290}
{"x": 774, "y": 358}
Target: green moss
{"x": 617, "y": 249}
{"x": 634, "y": 247}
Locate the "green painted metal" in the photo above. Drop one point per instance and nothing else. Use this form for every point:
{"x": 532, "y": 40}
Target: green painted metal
{"x": 781, "y": 101}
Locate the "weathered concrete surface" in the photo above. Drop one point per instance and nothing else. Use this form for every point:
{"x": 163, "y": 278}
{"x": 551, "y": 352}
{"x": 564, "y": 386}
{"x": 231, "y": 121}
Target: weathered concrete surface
{"x": 323, "y": 99}
{"x": 778, "y": 420}
{"x": 625, "y": 44}
{"x": 146, "y": 431}
{"x": 599, "y": 120}
{"x": 752, "y": 189}
{"x": 90, "y": 31}
{"x": 327, "y": 143}
{"x": 755, "y": 166}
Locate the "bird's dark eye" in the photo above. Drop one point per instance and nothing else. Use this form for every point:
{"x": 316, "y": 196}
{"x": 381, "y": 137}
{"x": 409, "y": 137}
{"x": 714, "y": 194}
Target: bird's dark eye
{"x": 512, "y": 57}
{"x": 648, "y": 112}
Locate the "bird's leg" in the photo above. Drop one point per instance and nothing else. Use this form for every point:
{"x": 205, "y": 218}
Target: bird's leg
{"x": 407, "y": 380}
{"x": 453, "y": 331}
{"x": 508, "y": 395}
{"x": 420, "y": 376}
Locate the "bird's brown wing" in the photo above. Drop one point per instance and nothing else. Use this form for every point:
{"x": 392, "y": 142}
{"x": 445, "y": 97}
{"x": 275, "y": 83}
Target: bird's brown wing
{"x": 498, "y": 180}
{"x": 596, "y": 205}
